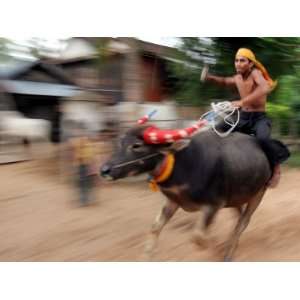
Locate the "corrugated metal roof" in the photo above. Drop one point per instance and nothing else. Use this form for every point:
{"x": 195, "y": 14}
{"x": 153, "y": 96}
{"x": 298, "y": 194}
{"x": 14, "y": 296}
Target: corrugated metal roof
{"x": 12, "y": 68}
{"x": 15, "y": 68}
{"x": 39, "y": 88}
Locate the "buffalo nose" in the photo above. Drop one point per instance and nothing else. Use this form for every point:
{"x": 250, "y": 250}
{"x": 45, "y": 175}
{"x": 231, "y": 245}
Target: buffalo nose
{"x": 105, "y": 170}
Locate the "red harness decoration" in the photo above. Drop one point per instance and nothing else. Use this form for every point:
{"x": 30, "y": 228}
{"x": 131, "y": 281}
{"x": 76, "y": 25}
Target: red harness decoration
{"x": 154, "y": 135}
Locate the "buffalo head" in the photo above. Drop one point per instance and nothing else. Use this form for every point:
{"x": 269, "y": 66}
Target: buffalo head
{"x": 142, "y": 147}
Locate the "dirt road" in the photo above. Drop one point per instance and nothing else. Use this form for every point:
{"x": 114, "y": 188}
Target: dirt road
{"x": 42, "y": 221}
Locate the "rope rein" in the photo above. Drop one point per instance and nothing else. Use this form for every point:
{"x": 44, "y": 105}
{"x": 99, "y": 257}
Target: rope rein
{"x": 135, "y": 160}
{"x": 224, "y": 110}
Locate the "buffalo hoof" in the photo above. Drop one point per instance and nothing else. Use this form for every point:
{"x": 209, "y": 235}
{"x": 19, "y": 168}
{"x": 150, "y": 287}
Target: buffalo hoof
{"x": 227, "y": 258}
{"x": 144, "y": 258}
{"x": 200, "y": 241}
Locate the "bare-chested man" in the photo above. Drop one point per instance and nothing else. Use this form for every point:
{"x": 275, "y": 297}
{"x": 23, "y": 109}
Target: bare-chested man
{"x": 253, "y": 84}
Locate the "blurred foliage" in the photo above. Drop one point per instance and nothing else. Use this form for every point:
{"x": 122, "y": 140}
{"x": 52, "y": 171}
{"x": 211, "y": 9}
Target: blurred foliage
{"x": 4, "y": 45}
{"x": 103, "y": 51}
{"x": 31, "y": 48}
{"x": 279, "y": 111}
{"x": 294, "y": 160}
{"x": 281, "y": 114}
{"x": 279, "y": 55}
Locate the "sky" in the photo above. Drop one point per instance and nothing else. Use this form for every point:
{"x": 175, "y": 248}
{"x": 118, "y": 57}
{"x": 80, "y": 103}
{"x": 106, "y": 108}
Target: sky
{"x": 19, "y": 49}
{"x": 166, "y": 41}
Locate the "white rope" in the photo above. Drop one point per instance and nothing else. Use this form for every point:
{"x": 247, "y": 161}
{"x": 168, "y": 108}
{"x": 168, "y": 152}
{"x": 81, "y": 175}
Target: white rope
{"x": 224, "y": 110}
{"x": 135, "y": 161}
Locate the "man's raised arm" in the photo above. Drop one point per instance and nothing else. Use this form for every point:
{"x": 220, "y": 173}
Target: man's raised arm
{"x": 226, "y": 81}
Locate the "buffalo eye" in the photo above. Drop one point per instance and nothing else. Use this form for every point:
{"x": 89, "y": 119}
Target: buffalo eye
{"x": 137, "y": 147}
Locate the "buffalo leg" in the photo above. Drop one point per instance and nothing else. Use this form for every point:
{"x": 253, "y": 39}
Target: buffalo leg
{"x": 201, "y": 228}
{"x": 166, "y": 213}
{"x": 242, "y": 224}
{"x": 239, "y": 210}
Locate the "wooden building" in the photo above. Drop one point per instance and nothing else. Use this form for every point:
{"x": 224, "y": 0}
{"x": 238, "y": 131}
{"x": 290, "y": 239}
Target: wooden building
{"x": 127, "y": 69}
{"x": 35, "y": 89}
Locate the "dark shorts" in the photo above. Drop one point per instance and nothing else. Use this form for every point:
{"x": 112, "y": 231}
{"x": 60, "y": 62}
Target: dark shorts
{"x": 259, "y": 125}
{"x": 253, "y": 123}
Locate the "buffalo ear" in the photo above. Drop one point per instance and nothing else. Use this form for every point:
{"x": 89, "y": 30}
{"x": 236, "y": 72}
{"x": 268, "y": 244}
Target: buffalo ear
{"x": 176, "y": 146}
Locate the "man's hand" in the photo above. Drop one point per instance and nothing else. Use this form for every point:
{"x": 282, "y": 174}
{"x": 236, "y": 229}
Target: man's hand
{"x": 237, "y": 103}
{"x": 204, "y": 73}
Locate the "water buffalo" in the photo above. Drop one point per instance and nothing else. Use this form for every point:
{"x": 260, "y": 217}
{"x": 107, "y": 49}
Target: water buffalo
{"x": 203, "y": 171}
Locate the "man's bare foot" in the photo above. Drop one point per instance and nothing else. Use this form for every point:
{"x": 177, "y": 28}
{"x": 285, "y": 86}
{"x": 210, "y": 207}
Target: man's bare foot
{"x": 274, "y": 181}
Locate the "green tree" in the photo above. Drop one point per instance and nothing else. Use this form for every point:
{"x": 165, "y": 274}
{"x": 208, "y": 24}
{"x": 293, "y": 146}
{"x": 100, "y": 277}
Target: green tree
{"x": 279, "y": 55}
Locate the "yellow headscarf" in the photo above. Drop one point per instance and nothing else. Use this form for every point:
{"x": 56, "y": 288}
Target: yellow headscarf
{"x": 250, "y": 55}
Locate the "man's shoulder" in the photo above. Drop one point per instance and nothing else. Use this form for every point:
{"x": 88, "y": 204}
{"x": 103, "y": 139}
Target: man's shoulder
{"x": 234, "y": 78}
{"x": 237, "y": 78}
{"x": 258, "y": 77}
{"x": 256, "y": 73}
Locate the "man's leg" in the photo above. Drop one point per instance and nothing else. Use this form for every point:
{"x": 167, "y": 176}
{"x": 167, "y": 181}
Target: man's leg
{"x": 83, "y": 184}
{"x": 263, "y": 133}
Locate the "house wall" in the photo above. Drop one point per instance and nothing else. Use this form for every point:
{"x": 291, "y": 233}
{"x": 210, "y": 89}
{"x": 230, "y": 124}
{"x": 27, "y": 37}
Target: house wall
{"x": 136, "y": 69}
{"x": 37, "y": 106}
{"x": 84, "y": 73}
{"x": 95, "y": 74}
{"x": 152, "y": 79}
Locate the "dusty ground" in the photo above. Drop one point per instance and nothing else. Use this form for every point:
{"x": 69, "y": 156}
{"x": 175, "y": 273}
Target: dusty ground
{"x": 42, "y": 221}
